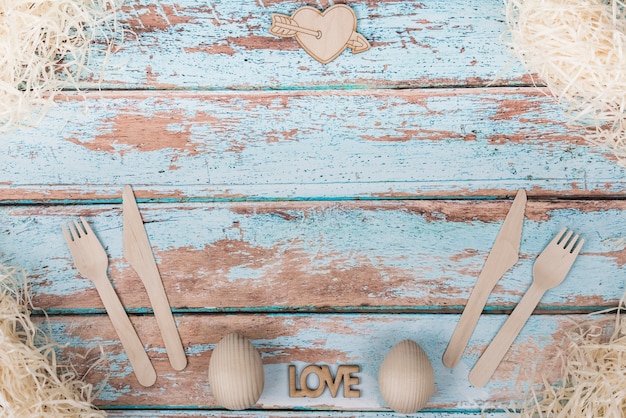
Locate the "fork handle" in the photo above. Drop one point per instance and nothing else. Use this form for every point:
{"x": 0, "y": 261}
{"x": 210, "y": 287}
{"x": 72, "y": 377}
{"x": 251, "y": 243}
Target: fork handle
{"x": 493, "y": 355}
{"x": 139, "y": 360}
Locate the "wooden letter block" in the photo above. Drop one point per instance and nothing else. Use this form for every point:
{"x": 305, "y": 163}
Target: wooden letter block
{"x": 293, "y": 391}
{"x": 325, "y": 379}
{"x": 349, "y": 380}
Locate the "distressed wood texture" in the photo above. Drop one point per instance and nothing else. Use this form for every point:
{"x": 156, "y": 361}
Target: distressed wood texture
{"x": 301, "y": 339}
{"x": 174, "y": 413}
{"x": 326, "y": 212}
{"x": 434, "y": 43}
{"x": 305, "y": 145}
{"x": 320, "y": 256}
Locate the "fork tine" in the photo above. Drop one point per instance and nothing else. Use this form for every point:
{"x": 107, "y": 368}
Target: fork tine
{"x": 578, "y": 247}
{"x": 571, "y": 243}
{"x": 557, "y": 237}
{"x": 67, "y": 236}
{"x": 79, "y": 230}
{"x": 86, "y": 226}
{"x": 564, "y": 241}
{"x": 73, "y": 231}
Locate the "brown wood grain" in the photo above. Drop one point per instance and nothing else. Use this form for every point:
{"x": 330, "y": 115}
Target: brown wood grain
{"x": 300, "y": 256}
{"x": 326, "y": 212}
{"x": 305, "y": 145}
{"x": 284, "y": 340}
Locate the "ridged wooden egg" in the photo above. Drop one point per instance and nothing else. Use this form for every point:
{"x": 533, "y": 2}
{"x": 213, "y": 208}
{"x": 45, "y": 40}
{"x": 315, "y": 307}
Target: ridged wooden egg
{"x": 406, "y": 379}
{"x": 236, "y": 373}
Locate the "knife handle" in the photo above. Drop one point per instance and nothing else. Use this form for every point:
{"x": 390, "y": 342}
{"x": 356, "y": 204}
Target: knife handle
{"x": 465, "y": 326}
{"x": 165, "y": 320}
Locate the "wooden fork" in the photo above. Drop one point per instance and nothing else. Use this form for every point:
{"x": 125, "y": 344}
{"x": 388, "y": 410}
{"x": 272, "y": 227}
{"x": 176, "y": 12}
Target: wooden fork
{"x": 92, "y": 262}
{"x": 549, "y": 270}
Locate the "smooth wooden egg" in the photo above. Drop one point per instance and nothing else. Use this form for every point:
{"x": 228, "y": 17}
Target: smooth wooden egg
{"x": 236, "y": 373}
{"x": 406, "y": 379}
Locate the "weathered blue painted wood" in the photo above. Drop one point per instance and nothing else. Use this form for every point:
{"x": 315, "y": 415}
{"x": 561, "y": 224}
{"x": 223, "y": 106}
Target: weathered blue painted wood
{"x": 283, "y": 340}
{"x": 311, "y": 213}
{"x": 414, "y": 255}
{"x": 226, "y": 45}
{"x": 305, "y": 146}
{"x": 280, "y": 414}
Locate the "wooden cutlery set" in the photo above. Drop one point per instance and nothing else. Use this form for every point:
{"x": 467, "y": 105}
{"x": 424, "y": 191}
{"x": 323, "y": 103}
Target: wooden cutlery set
{"x": 549, "y": 270}
{"x": 92, "y": 262}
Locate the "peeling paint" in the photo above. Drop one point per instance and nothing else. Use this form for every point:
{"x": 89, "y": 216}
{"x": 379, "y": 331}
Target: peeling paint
{"x": 321, "y": 339}
{"x": 322, "y": 256}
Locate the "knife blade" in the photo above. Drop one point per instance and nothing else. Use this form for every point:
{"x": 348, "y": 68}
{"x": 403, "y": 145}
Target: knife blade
{"x": 503, "y": 255}
{"x": 138, "y": 252}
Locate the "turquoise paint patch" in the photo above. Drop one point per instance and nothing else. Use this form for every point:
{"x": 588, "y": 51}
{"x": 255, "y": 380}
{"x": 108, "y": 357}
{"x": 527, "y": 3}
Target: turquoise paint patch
{"x": 243, "y": 273}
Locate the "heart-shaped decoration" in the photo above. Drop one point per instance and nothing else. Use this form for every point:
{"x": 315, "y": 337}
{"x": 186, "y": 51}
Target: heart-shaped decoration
{"x": 325, "y": 35}
{"x": 335, "y": 27}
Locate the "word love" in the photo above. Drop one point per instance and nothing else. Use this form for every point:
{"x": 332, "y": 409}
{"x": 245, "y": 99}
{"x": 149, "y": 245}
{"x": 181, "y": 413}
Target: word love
{"x": 324, "y": 379}
{"x": 324, "y": 36}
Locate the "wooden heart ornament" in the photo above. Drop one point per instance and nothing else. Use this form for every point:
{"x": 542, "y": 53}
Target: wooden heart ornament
{"x": 325, "y": 35}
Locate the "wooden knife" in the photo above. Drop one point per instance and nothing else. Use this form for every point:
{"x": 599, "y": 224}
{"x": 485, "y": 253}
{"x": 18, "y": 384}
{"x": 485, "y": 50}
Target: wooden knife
{"x": 504, "y": 254}
{"x": 138, "y": 252}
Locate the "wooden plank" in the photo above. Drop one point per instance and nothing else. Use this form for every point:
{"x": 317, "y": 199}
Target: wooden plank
{"x": 168, "y": 413}
{"x": 226, "y": 45}
{"x": 325, "y": 211}
{"x": 304, "y": 145}
{"x": 319, "y": 256}
{"x": 299, "y": 340}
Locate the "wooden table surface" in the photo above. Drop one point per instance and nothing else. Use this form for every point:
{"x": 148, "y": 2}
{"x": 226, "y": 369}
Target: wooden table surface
{"x": 326, "y": 212}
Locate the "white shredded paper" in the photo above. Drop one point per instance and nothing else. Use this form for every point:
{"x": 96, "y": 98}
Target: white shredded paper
{"x": 32, "y": 382}
{"x": 578, "y": 49}
{"x": 45, "y": 47}
{"x": 592, "y": 381}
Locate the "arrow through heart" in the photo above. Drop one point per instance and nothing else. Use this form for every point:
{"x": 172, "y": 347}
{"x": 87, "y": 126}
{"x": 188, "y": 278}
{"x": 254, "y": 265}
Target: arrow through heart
{"x": 325, "y": 35}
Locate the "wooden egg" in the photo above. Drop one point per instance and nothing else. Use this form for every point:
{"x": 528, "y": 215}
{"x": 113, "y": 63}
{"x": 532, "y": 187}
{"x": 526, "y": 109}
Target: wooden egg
{"x": 406, "y": 379}
{"x": 236, "y": 373}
